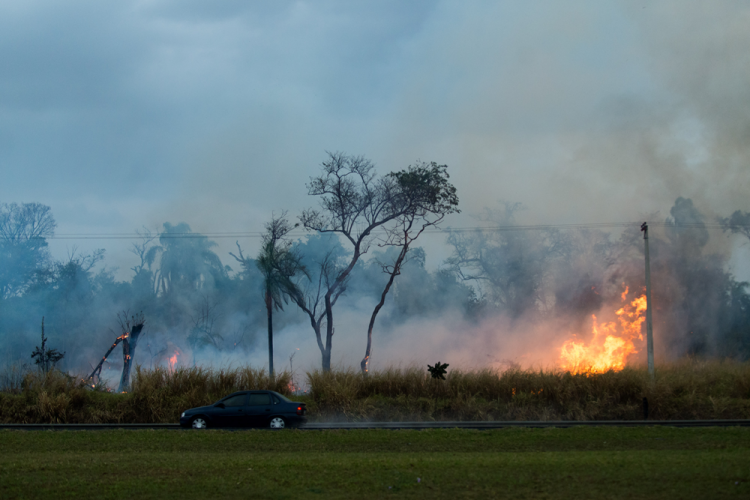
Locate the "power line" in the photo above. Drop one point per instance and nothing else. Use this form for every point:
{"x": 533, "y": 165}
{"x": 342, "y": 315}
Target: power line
{"x": 447, "y": 230}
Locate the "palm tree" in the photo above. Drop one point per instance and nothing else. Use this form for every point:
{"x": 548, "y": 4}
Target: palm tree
{"x": 187, "y": 259}
{"x": 278, "y": 262}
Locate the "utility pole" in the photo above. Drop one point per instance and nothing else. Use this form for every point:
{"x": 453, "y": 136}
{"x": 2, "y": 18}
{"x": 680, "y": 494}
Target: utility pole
{"x": 649, "y": 326}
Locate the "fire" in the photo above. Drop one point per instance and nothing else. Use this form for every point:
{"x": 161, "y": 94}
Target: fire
{"x": 173, "y": 360}
{"x": 611, "y": 343}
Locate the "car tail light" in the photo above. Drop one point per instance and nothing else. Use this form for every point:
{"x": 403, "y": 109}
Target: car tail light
{"x": 301, "y": 410}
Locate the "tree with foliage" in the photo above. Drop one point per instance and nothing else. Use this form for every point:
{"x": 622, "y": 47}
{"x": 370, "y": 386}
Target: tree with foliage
{"x": 187, "y": 260}
{"x": 737, "y": 223}
{"x": 278, "y": 262}
{"x": 354, "y": 203}
{"x": 45, "y": 357}
{"x": 428, "y": 197}
{"x": 692, "y": 281}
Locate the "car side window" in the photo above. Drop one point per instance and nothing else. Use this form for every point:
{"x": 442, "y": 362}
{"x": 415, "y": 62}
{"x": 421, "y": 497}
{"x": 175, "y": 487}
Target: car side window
{"x": 275, "y": 400}
{"x": 259, "y": 399}
{"x": 238, "y": 400}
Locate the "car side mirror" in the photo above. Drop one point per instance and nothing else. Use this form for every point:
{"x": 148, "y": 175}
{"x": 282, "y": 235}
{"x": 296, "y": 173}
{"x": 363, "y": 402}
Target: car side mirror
{"x": 220, "y": 405}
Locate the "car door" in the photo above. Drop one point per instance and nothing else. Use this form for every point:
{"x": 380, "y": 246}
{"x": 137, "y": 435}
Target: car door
{"x": 234, "y": 412}
{"x": 259, "y": 408}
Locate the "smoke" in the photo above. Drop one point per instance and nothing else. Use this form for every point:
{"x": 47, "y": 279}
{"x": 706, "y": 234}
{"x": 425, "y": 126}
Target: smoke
{"x": 584, "y": 112}
{"x": 503, "y": 298}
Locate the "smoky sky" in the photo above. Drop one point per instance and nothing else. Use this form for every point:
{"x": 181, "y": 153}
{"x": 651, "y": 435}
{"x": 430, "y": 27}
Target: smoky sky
{"x": 120, "y": 115}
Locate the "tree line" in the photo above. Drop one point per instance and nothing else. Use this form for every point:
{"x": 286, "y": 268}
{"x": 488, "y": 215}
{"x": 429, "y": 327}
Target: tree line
{"x": 361, "y": 248}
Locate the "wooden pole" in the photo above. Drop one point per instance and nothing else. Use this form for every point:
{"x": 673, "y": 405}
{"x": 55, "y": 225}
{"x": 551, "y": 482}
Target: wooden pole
{"x": 649, "y": 325}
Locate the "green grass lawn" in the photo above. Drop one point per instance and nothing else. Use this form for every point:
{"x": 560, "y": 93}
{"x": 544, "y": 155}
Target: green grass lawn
{"x": 600, "y": 463}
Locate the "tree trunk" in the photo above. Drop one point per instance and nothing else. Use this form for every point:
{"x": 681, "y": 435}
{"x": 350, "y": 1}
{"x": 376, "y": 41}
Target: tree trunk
{"x": 269, "y": 311}
{"x": 396, "y": 271}
{"x": 329, "y": 334}
{"x": 129, "y": 342}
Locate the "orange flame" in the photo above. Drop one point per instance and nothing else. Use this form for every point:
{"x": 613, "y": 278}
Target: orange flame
{"x": 173, "y": 360}
{"x": 611, "y": 343}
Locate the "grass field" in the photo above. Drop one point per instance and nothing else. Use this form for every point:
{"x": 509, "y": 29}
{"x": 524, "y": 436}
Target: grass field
{"x": 577, "y": 463}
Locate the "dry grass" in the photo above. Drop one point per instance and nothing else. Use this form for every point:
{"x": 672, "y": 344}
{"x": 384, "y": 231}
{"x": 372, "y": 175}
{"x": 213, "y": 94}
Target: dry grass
{"x": 686, "y": 390}
{"x": 157, "y": 396}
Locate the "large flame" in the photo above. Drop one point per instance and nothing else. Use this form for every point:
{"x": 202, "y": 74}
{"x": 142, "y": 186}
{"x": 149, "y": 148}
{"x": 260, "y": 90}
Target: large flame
{"x": 611, "y": 344}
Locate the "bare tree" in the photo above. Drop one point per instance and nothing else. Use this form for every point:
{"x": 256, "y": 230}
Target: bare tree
{"x": 145, "y": 277}
{"x": 354, "y": 202}
{"x": 311, "y": 298}
{"x": 509, "y": 265}
{"x": 23, "y": 248}
{"x": 430, "y": 198}
{"x": 204, "y": 332}
{"x": 25, "y": 222}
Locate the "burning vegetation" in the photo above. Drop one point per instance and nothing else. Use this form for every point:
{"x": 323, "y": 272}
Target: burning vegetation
{"x": 611, "y": 343}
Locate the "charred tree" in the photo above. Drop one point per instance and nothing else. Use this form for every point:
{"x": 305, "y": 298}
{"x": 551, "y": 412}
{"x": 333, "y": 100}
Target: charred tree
{"x": 131, "y": 331}
{"x": 97, "y": 372}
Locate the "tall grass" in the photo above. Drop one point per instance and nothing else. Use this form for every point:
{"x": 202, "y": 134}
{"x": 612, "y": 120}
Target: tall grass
{"x": 156, "y": 396}
{"x": 689, "y": 389}
{"x": 685, "y": 390}
{"x": 11, "y": 377}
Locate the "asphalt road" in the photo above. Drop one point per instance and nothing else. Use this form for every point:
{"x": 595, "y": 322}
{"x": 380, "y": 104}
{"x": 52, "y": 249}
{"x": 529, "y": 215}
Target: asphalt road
{"x": 412, "y": 425}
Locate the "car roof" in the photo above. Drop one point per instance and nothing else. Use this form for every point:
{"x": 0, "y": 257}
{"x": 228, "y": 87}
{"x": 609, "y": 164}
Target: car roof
{"x": 259, "y": 391}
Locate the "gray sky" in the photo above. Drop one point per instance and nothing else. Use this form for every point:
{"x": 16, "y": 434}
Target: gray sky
{"x": 127, "y": 114}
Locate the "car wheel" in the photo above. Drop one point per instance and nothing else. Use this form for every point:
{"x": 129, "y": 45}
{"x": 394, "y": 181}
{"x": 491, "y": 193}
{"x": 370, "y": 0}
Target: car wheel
{"x": 198, "y": 423}
{"x": 277, "y": 423}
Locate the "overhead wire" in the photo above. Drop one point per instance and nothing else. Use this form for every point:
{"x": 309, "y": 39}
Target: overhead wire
{"x": 446, "y": 230}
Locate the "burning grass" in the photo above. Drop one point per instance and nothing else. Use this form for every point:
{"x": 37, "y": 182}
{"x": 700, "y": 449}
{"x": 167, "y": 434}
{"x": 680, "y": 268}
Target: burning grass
{"x": 447, "y": 463}
{"x": 686, "y": 390}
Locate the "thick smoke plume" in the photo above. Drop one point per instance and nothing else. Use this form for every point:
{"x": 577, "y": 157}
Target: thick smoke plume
{"x": 507, "y": 296}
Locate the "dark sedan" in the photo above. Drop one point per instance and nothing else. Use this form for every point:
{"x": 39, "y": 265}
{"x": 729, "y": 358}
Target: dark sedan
{"x": 247, "y": 409}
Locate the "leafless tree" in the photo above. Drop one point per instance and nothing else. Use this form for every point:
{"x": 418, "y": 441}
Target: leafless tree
{"x": 204, "y": 332}
{"x": 509, "y": 265}
{"x": 310, "y": 298}
{"x": 146, "y": 252}
{"x": 23, "y": 247}
{"x": 28, "y": 221}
